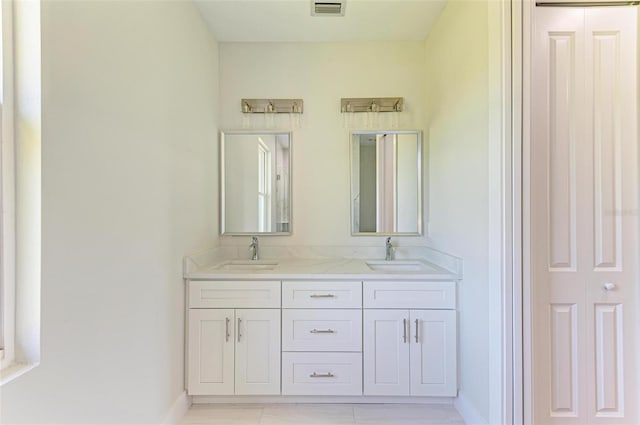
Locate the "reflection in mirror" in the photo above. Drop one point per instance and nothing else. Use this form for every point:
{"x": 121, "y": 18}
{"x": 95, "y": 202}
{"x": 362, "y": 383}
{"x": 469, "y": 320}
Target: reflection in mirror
{"x": 386, "y": 183}
{"x": 255, "y": 180}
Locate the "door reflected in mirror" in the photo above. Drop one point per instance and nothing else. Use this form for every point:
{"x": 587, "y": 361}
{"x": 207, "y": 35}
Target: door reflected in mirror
{"x": 386, "y": 183}
{"x": 255, "y": 183}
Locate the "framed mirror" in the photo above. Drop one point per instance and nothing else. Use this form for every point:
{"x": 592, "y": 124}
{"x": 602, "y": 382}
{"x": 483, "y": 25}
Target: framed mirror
{"x": 386, "y": 183}
{"x": 255, "y": 182}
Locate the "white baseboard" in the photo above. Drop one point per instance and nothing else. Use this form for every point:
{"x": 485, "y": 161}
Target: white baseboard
{"x": 177, "y": 410}
{"x": 286, "y": 399}
{"x": 468, "y": 412}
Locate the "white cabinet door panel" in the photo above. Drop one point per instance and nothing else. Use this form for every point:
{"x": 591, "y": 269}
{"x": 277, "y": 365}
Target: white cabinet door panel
{"x": 210, "y": 352}
{"x": 257, "y": 351}
{"x": 433, "y": 353}
{"x": 386, "y": 352}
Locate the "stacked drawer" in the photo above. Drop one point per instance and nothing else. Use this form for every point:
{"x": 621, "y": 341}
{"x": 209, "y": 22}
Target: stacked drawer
{"x": 322, "y": 338}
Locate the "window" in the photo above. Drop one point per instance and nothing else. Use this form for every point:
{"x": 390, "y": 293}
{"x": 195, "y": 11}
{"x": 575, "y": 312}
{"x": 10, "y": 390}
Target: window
{"x": 20, "y": 239}
{"x": 7, "y": 191}
{"x": 264, "y": 187}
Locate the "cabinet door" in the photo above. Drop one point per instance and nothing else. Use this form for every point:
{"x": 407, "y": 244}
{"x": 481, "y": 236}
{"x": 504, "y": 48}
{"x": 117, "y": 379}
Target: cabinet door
{"x": 433, "y": 352}
{"x": 257, "y": 351}
{"x": 386, "y": 352}
{"x": 210, "y": 352}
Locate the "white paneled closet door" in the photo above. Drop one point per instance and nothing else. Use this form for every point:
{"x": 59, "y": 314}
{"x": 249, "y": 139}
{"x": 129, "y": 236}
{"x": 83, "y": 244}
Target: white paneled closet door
{"x": 584, "y": 216}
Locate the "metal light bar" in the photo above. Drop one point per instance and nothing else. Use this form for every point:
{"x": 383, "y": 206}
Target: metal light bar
{"x": 271, "y": 106}
{"x": 372, "y": 104}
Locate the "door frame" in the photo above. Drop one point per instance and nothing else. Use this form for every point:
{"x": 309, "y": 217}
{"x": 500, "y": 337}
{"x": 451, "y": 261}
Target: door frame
{"x": 506, "y": 209}
{"x": 521, "y": 27}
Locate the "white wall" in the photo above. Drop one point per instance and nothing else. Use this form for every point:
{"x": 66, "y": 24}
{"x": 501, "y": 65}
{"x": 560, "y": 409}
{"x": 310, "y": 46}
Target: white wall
{"x": 128, "y": 138}
{"x": 457, "y": 96}
{"x": 321, "y": 74}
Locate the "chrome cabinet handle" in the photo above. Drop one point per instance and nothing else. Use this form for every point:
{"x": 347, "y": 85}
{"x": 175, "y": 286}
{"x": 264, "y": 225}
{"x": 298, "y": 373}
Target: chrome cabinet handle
{"x": 417, "y": 330}
{"x": 608, "y": 286}
{"x": 226, "y": 325}
{"x": 322, "y": 331}
{"x": 404, "y": 329}
{"x": 322, "y": 296}
{"x": 239, "y": 334}
{"x": 322, "y": 375}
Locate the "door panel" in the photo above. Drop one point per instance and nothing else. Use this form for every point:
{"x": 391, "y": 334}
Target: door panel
{"x": 257, "y": 351}
{"x": 564, "y": 359}
{"x": 609, "y": 360}
{"x": 433, "y": 352}
{"x": 557, "y": 277}
{"x": 210, "y": 361}
{"x": 386, "y": 352}
{"x": 584, "y": 218}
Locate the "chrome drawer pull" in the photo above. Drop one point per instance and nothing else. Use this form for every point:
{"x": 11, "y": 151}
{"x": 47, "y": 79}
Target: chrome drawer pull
{"x": 322, "y": 331}
{"x": 417, "y": 329}
{"x": 322, "y": 375}
{"x": 322, "y": 296}
{"x": 239, "y": 334}
{"x": 227, "y": 334}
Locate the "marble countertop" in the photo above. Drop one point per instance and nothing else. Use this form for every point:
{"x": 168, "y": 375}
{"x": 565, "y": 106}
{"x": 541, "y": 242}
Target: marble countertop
{"x": 320, "y": 268}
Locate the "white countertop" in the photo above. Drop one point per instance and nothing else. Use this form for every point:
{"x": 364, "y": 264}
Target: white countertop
{"x": 319, "y": 268}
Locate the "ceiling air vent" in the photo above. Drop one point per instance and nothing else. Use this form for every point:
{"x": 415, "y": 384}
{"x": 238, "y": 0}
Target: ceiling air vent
{"x": 327, "y": 8}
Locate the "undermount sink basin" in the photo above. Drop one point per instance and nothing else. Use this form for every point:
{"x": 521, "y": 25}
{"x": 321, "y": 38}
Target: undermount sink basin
{"x": 399, "y": 266}
{"x": 249, "y": 265}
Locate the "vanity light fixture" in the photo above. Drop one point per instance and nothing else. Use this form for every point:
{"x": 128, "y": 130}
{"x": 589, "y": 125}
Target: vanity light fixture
{"x": 372, "y": 104}
{"x": 271, "y": 106}
{"x": 271, "y": 113}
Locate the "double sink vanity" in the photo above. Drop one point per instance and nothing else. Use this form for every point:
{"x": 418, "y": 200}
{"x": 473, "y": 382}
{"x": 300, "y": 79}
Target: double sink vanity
{"x": 295, "y": 326}
{"x": 359, "y": 323}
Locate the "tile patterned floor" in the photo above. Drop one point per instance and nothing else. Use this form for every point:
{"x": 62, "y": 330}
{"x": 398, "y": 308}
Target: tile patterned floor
{"x": 322, "y": 414}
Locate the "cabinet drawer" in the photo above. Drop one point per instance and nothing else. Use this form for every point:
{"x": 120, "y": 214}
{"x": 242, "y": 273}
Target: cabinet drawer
{"x": 322, "y": 373}
{"x": 240, "y": 294}
{"x": 321, "y": 330}
{"x": 330, "y": 294}
{"x": 419, "y": 295}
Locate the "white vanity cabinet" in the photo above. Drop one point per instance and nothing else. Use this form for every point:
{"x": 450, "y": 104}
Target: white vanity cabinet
{"x": 321, "y": 336}
{"x": 232, "y": 349}
{"x": 409, "y": 338}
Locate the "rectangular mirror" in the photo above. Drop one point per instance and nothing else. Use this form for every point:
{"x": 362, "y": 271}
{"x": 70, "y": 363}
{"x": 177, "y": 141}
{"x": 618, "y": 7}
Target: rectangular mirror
{"x": 386, "y": 183}
{"x": 255, "y": 183}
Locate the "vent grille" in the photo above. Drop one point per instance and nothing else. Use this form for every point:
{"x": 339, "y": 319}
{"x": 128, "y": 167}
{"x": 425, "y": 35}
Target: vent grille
{"x": 327, "y": 8}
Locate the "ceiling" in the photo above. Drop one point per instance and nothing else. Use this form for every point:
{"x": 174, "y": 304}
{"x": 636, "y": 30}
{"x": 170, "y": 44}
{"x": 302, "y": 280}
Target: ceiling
{"x": 291, "y": 20}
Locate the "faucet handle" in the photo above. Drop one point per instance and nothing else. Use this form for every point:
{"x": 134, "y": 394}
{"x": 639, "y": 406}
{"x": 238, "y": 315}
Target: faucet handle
{"x": 388, "y": 240}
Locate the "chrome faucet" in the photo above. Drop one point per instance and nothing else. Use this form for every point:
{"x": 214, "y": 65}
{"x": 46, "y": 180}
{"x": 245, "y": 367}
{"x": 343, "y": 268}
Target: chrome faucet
{"x": 254, "y": 248}
{"x": 388, "y": 250}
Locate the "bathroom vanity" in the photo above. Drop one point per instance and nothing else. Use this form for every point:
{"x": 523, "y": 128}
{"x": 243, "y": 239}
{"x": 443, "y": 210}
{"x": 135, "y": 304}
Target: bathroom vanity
{"x": 320, "y": 327}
